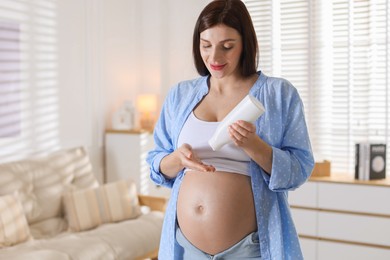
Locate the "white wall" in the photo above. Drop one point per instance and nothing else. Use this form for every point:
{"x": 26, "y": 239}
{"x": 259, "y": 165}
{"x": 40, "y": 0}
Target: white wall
{"x": 81, "y": 100}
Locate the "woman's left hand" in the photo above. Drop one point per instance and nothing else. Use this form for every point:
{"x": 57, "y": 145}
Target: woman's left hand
{"x": 243, "y": 133}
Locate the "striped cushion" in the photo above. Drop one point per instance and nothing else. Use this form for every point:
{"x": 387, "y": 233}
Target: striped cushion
{"x": 13, "y": 223}
{"x": 111, "y": 202}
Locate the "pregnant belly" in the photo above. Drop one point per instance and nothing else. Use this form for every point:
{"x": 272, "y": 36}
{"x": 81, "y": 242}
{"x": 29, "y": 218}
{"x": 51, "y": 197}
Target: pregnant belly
{"x": 215, "y": 210}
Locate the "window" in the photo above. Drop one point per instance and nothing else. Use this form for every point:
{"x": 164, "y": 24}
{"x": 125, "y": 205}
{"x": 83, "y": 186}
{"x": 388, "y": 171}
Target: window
{"x": 10, "y": 121}
{"x": 336, "y": 53}
{"x": 28, "y": 78}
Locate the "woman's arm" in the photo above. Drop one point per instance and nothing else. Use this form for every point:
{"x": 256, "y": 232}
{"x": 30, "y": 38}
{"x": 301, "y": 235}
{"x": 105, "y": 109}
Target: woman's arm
{"x": 284, "y": 156}
{"x": 165, "y": 160}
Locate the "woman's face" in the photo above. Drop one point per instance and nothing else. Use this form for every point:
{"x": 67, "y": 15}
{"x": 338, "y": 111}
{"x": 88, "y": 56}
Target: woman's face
{"x": 220, "y": 48}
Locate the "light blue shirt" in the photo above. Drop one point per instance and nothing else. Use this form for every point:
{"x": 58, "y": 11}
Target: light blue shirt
{"x": 282, "y": 126}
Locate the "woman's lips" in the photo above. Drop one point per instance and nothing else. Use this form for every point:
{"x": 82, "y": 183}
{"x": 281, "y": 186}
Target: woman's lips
{"x": 217, "y": 67}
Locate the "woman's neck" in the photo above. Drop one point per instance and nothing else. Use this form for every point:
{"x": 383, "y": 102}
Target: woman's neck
{"x": 231, "y": 85}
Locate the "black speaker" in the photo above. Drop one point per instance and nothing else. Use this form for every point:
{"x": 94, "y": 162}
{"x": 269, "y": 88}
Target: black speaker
{"x": 377, "y": 161}
{"x": 370, "y": 161}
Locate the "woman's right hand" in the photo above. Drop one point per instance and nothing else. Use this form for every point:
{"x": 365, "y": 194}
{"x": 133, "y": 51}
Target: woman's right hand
{"x": 183, "y": 157}
{"x": 191, "y": 161}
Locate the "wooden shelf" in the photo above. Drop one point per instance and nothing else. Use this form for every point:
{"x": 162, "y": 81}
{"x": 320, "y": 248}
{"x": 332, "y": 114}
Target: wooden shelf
{"x": 348, "y": 179}
{"x": 131, "y": 131}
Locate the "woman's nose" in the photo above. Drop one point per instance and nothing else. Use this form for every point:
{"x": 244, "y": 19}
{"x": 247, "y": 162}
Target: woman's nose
{"x": 215, "y": 55}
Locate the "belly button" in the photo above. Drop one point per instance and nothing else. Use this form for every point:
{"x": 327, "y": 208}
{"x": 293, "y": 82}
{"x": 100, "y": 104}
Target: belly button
{"x": 199, "y": 209}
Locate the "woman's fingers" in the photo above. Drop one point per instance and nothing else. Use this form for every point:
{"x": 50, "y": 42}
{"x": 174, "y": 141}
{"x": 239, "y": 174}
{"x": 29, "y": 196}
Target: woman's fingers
{"x": 199, "y": 165}
{"x": 191, "y": 161}
{"x": 241, "y": 131}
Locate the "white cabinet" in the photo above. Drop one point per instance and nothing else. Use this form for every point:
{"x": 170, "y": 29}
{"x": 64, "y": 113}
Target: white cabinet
{"x": 125, "y": 157}
{"x": 344, "y": 251}
{"x": 309, "y": 247}
{"x": 356, "y": 197}
{"x": 341, "y": 218}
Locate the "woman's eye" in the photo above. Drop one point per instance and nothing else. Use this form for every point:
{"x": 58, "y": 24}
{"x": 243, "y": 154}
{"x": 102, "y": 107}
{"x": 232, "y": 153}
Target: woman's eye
{"x": 206, "y": 46}
{"x": 227, "y": 47}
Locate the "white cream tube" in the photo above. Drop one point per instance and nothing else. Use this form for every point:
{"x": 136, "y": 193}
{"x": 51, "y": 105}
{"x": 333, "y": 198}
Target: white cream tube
{"x": 249, "y": 109}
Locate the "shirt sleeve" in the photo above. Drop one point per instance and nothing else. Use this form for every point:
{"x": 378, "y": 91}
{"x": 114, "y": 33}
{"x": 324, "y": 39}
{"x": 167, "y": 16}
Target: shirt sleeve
{"x": 292, "y": 159}
{"x": 163, "y": 144}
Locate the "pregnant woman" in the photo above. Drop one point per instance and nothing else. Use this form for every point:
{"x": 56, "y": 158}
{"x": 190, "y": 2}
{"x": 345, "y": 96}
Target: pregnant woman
{"x": 230, "y": 203}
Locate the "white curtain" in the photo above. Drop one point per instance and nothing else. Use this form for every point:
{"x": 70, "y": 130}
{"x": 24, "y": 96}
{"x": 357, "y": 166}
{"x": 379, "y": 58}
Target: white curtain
{"x": 336, "y": 53}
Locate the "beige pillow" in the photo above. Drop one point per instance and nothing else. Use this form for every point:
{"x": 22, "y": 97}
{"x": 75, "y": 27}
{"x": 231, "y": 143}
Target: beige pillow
{"x": 112, "y": 202}
{"x": 13, "y": 223}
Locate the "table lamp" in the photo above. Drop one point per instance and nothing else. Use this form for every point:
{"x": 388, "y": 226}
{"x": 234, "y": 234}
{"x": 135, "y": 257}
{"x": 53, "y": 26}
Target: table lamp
{"x": 147, "y": 108}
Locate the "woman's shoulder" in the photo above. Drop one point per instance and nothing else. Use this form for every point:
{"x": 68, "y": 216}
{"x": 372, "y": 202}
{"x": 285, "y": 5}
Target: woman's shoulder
{"x": 186, "y": 86}
{"x": 275, "y": 85}
{"x": 277, "y": 82}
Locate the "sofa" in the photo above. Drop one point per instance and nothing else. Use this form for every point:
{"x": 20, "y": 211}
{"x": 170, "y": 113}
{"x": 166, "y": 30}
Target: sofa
{"x": 53, "y": 207}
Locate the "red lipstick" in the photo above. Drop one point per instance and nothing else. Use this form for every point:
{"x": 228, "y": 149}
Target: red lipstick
{"x": 217, "y": 67}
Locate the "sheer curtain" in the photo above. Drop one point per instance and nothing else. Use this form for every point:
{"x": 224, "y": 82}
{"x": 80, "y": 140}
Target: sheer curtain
{"x": 336, "y": 53}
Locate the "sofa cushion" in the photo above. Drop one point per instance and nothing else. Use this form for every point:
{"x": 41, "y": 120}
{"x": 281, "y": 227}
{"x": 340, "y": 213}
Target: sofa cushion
{"x": 64, "y": 246}
{"x": 48, "y": 228}
{"x": 41, "y": 181}
{"x": 127, "y": 239}
{"x": 111, "y": 202}
{"x": 133, "y": 238}
{"x": 34, "y": 254}
{"x": 13, "y": 224}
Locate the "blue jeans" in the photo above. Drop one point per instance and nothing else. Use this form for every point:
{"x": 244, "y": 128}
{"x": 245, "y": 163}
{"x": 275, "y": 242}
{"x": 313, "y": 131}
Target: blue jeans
{"x": 247, "y": 248}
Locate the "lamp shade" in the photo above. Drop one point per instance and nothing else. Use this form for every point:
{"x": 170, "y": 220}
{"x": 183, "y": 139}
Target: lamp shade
{"x": 147, "y": 108}
{"x": 147, "y": 103}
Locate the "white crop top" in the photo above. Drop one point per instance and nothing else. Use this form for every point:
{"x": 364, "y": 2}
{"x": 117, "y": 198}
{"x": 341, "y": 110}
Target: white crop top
{"x": 229, "y": 158}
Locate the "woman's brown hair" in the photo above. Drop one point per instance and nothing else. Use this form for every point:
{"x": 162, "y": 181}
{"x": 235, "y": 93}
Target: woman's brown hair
{"x": 234, "y": 14}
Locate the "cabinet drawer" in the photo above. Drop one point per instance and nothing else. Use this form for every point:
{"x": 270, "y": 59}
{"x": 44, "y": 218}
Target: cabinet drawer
{"x": 305, "y": 196}
{"x": 356, "y": 228}
{"x": 305, "y": 221}
{"x": 338, "y": 251}
{"x": 356, "y": 198}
